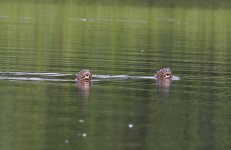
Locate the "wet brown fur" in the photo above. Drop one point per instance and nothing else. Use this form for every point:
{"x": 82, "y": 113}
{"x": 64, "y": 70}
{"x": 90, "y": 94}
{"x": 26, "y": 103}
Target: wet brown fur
{"x": 164, "y": 73}
{"x": 84, "y": 75}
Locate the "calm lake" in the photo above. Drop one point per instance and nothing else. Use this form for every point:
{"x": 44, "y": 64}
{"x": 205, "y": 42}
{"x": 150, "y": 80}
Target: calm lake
{"x": 44, "y": 44}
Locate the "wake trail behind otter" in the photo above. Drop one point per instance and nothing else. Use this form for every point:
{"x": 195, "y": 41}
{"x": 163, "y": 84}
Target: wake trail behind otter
{"x": 121, "y": 77}
{"x": 49, "y": 76}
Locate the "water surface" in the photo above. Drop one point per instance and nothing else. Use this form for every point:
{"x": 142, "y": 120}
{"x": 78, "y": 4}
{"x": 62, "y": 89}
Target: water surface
{"x": 43, "y": 45}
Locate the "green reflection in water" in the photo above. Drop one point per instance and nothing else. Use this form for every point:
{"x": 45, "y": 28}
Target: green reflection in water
{"x": 63, "y": 37}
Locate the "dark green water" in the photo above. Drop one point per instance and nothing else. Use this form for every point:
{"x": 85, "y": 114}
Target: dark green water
{"x": 43, "y": 46}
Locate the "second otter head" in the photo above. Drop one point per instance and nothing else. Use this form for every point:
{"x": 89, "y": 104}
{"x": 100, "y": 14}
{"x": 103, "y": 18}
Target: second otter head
{"x": 84, "y": 75}
{"x": 164, "y": 73}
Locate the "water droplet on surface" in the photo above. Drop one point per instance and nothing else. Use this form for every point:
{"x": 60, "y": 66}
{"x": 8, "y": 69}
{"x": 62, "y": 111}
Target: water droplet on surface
{"x": 84, "y": 134}
{"x": 67, "y": 141}
{"x": 81, "y": 121}
{"x": 130, "y": 125}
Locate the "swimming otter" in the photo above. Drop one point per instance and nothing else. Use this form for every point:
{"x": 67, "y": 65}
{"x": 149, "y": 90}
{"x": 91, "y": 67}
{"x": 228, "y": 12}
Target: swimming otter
{"x": 84, "y": 75}
{"x": 164, "y": 73}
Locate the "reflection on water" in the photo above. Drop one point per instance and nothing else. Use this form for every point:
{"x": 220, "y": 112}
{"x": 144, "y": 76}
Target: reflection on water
{"x": 83, "y": 88}
{"x": 164, "y": 85}
{"x": 44, "y": 44}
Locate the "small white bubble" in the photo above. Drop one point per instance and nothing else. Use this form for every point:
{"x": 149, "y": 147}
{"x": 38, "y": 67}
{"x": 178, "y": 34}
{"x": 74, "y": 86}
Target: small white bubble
{"x": 84, "y": 134}
{"x": 67, "y": 141}
{"x": 130, "y": 125}
{"x": 81, "y": 121}
{"x": 142, "y": 51}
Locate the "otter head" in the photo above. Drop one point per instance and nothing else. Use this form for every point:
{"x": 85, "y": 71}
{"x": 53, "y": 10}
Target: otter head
{"x": 84, "y": 75}
{"x": 164, "y": 73}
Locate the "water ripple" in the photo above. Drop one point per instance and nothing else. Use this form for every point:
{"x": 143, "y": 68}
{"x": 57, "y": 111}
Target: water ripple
{"x": 43, "y": 76}
{"x": 35, "y": 73}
